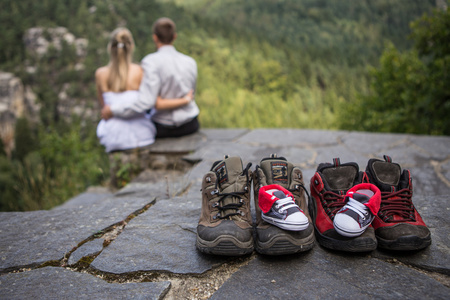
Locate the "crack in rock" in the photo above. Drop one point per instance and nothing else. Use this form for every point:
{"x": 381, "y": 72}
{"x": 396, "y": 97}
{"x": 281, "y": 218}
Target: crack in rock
{"x": 183, "y": 286}
{"x": 442, "y": 277}
{"x": 108, "y": 234}
{"x": 437, "y": 166}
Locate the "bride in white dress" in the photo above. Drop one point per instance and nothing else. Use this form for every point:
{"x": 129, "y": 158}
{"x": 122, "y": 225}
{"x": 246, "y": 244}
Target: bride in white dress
{"x": 119, "y": 81}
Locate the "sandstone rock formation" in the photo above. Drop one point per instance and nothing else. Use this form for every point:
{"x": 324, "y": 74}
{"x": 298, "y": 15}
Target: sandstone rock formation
{"x": 18, "y": 100}
{"x": 15, "y": 101}
{"x": 38, "y": 40}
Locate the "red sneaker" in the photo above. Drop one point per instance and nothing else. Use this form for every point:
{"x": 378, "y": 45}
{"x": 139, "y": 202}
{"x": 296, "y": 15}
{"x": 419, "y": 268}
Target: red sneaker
{"x": 398, "y": 225}
{"x": 329, "y": 185}
{"x": 279, "y": 208}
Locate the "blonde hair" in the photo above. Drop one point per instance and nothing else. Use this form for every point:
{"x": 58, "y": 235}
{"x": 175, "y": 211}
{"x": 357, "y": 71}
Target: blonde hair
{"x": 120, "y": 48}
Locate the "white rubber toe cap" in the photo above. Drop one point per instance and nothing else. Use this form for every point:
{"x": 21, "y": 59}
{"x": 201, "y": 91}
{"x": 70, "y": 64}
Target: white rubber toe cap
{"x": 347, "y": 226}
{"x": 297, "y": 218}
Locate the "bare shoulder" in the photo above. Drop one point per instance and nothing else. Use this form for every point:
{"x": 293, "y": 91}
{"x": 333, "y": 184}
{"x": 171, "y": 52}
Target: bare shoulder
{"x": 135, "y": 75}
{"x": 102, "y": 72}
{"x": 136, "y": 69}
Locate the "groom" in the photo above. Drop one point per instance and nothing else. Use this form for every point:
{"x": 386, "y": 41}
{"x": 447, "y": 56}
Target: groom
{"x": 168, "y": 74}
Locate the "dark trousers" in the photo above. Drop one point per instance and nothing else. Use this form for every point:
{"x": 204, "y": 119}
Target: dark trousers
{"x": 163, "y": 131}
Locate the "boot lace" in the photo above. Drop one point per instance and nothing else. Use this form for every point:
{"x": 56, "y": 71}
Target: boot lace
{"x": 230, "y": 206}
{"x": 299, "y": 187}
{"x": 397, "y": 203}
{"x": 332, "y": 202}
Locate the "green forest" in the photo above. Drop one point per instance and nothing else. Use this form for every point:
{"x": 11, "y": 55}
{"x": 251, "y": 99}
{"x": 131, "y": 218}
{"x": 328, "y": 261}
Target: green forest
{"x": 372, "y": 65}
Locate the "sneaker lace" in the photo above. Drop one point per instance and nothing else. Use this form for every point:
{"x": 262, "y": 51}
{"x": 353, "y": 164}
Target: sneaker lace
{"x": 231, "y": 206}
{"x": 357, "y": 207}
{"x": 397, "y": 203}
{"x": 332, "y": 202}
{"x": 285, "y": 204}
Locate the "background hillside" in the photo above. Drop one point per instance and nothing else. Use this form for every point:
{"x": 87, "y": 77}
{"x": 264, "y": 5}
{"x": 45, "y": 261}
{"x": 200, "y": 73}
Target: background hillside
{"x": 262, "y": 63}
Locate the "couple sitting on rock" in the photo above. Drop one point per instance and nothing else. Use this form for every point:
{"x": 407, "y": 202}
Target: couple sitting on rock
{"x": 160, "y": 89}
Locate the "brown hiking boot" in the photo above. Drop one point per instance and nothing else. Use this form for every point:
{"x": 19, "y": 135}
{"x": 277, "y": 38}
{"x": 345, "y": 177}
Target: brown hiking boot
{"x": 270, "y": 239}
{"x": 225, "y": 225}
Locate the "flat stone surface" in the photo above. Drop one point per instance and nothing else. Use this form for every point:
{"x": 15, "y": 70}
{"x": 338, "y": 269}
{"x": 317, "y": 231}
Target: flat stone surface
{"x": 59, "y": 283}
{"x": 214, "y": 136}
{"x": 32, "y": 238}
{"x": 435, "y": 211}
{"x": 371, "y": 142}
{"x": 216, "y": 150}
{"x": 444, "y": 170}
{"x": 436, "y": 147}
{"x": 229, "y": 135}
{"x": 178, "y": 145}
{"x": 427, "y": 182}
{"x": 161, "y": 240}
{"x": 286, "y": 137}
{"x": 84, "y": 200}
{"x": 320, "y": 274}
{"x": 89, "y": 248}
{"x": 159, "y": 184}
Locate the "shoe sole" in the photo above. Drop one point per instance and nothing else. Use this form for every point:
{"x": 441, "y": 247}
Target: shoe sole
{"x": 284, "y": 225}
{"x": 226, "y": 245}
{"x": 405, "y": 243}
{"x": 347, "y": 233}
{"x": 285, "y": 244}
{"x": 356, "y": 244}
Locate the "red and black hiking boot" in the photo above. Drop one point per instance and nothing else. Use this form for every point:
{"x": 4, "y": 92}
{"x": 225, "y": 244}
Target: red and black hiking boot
{"x": 329, "y": 185}
{"x": 270, "y": 239}
{"x": 398, "y": 225}
{"x": 225, "y": 226}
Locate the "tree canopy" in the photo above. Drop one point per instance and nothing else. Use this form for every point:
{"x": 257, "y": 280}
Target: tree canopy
{"x": 410, "y": 91}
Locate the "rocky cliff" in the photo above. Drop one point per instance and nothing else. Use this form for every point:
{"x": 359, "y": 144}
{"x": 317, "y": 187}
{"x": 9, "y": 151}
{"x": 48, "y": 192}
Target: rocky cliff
{"x": 15, "y": 101}
{"x": 19, "y": 100}
{"x": 38, "y": 40}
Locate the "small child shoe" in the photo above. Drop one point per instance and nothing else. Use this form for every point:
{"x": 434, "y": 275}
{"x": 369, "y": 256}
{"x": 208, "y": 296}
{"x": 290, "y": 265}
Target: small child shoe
{"x": 279, "y": 208}
{"x": 363, "y": 203}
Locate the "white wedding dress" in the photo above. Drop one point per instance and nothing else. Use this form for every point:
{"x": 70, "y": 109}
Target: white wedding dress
{"x": 122, "y": 134}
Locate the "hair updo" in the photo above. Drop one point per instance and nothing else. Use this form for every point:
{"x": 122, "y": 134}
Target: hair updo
{"x": 120, "y": 49}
